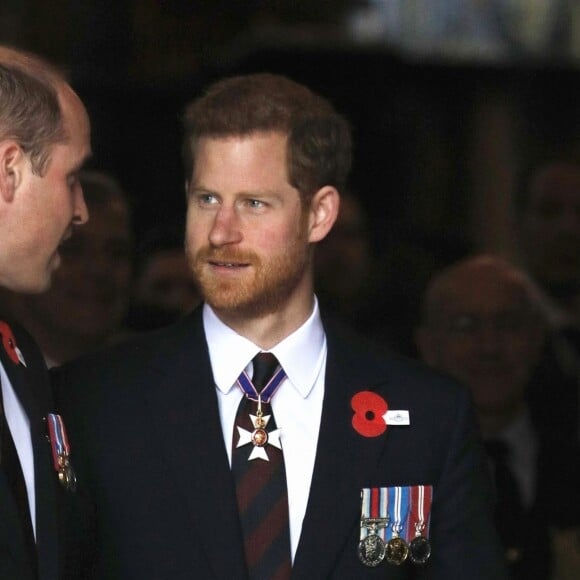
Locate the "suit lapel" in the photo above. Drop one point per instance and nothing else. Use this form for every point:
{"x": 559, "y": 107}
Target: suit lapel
{"x": 344, "y": 463}
{"x": 10, "y": 529}
{"x": 186, "y": 416}
{"x": 30, "y": 383}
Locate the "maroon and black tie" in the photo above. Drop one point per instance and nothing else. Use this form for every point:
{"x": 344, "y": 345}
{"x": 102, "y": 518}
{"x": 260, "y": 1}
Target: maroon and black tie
{"x": 261, "y": 483}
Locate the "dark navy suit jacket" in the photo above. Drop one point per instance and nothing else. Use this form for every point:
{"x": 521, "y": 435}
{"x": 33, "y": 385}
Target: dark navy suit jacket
{"x": 159, "y": 499}
{"x": 32, "y": 388}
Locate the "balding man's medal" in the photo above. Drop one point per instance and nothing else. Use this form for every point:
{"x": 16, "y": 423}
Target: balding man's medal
{"x": 61, "y": 452}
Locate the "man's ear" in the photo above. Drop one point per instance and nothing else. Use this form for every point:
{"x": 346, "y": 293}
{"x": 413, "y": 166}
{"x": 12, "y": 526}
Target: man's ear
{"x": 11, "y": 155}
{"x": 324, "y": 208}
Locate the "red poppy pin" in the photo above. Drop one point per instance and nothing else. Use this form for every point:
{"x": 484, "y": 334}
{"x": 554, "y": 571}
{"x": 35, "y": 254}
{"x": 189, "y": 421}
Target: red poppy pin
{"x": 369, "y": 410}
{"x": 9, "y": 344}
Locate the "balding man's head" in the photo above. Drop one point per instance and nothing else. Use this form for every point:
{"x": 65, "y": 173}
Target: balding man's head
{"x": 44, "y": 141}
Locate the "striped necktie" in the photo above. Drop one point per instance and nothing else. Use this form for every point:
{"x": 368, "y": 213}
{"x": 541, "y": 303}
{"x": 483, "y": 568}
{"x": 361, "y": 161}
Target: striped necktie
{"x": 260, "y": 478}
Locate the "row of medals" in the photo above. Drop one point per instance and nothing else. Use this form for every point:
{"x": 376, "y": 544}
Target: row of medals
{"x": 372, "y": 550}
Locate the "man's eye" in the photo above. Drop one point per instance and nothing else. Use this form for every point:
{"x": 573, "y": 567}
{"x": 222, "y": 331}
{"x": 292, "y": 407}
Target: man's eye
{"x": 255, "y": 203}
{"x": 206, "y": 199}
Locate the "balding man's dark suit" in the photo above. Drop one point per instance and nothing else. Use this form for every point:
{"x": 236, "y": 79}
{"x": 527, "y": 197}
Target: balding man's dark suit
{"x": 31, "y": 386}
{"x": 145, "y": 424}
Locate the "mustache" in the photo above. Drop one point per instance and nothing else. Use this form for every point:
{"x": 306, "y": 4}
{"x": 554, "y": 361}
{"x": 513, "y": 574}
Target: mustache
{"x": 208, "y": 253}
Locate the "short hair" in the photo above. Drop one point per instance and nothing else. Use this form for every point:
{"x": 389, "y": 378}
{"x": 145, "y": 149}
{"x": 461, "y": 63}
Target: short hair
{"x": 319, "y": 139}
{"x": 30, "y": 111}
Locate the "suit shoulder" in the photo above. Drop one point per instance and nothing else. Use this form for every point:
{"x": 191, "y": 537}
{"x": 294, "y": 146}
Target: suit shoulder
{"x": 378, "y": 364}
{"x": 129, "y": 358}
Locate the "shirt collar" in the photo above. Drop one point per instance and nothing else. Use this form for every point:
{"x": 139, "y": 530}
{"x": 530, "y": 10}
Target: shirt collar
{"x": 301, "y": 354}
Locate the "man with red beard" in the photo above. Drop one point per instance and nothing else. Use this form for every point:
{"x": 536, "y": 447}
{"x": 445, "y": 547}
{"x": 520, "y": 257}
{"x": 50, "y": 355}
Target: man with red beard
{"x": 195, "y": 463}
{"x": 481, "y": 323}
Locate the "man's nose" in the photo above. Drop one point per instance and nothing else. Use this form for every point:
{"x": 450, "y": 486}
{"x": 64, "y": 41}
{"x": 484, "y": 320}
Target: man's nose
{"x": 226, "y": 228}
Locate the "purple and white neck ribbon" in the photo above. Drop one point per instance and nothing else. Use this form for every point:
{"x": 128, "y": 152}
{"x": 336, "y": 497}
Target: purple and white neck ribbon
{"x": 267, "y": 392}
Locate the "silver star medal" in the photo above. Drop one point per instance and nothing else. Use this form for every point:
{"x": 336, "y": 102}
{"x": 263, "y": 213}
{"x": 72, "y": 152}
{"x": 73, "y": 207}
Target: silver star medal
{"x": 259, "y": 437}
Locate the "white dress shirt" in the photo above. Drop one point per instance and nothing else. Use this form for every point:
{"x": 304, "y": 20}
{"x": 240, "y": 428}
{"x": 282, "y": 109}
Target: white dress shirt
{"x": 297, "y": 404}
{"x": 19, "y": 426}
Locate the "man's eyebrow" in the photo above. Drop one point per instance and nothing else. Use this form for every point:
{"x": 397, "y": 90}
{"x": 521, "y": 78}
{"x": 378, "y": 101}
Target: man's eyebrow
{"x": 200, "y": 189}
{"x": 82, "y": 162}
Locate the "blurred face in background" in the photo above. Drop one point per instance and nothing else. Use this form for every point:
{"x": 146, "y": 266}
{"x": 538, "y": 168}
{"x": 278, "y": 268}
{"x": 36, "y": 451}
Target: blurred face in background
{"x": 166, "y": 282}
{"x": 483, "y": 331}
{"x": 90, "y": 290}
{"x": 550, "y": 229}
{"x": 343, "y": 260}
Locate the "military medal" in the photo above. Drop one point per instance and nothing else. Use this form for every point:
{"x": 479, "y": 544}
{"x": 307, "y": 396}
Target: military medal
{"x": 397, "y": 549}
{"x": 61, "y": 452}
{"x": 260, "y": 437}
{"x": 420, "y": 547}
{"x": 371, "y": 550}
{"x": 374, "y": 521}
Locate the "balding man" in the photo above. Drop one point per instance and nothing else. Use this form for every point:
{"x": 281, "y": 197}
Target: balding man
{"x": 44, "y": 141}
{"x": 481, "y": 324}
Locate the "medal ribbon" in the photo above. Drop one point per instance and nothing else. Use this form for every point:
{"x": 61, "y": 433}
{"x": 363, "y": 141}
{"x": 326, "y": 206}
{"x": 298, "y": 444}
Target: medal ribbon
{"x": 398, "y": 506}
{"x": 421, "y": 498}
{"x": 374, "y": 505}
{"x": 58, "y": 440}
{"x": 267, "y": 392}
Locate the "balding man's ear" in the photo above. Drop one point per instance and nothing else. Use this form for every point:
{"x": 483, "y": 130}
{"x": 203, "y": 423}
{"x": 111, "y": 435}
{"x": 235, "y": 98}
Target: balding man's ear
{"x": 11, "y": 155}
